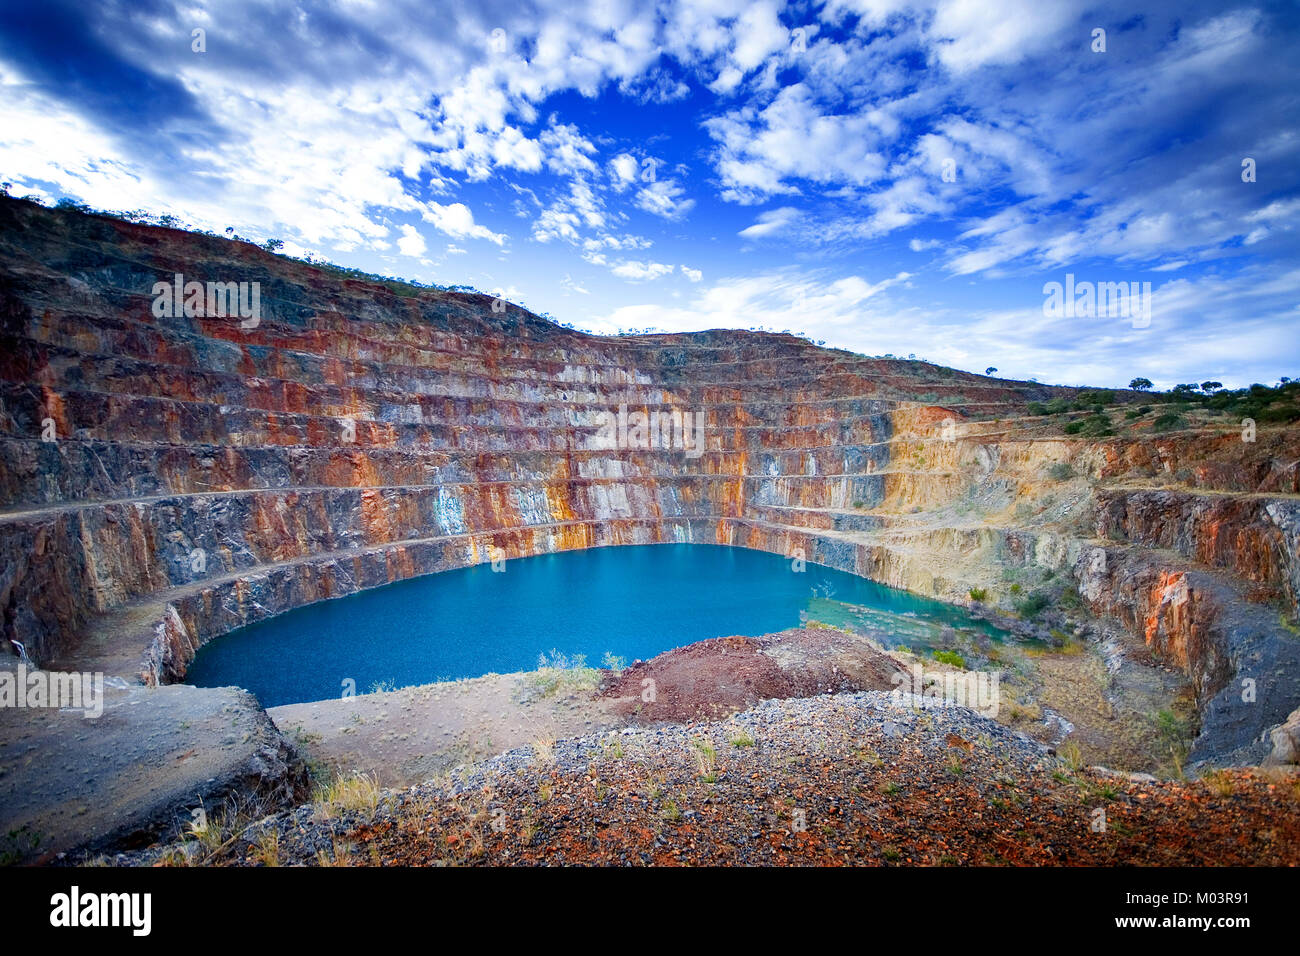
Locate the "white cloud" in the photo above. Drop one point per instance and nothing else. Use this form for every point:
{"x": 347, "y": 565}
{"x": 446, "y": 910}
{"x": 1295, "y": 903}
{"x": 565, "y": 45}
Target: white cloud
{"x": 570, "y": 285}
{"x": 412, "y": 243}
{"x": 775, "y": 300}
{"x": 664, "y": 198}
{"x": 616, "y": 242}
{"x": 457, "y": 221}
{"x": 567, "y": 215}
{"x": 771, "y": 222}
{"x": 640, "y": 271}
{"x": 760, "y": 152}
{"x": 568, "y": 151}
{"x": 623, "y": 170}
{"x": 332, "y": 133}
{"x": 966, "y": 36}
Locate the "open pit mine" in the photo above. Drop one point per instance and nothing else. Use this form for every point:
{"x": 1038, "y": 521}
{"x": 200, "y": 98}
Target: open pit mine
{"x": 172, "y": 473}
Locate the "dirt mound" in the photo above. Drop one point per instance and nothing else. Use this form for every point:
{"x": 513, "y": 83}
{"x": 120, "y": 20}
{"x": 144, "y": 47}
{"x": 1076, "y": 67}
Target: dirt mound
{"x": 716, "y": 678}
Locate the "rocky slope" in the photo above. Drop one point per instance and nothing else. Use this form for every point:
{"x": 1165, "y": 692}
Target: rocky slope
{"x": 853, "y": 779}
{"x": 165, "y": 480}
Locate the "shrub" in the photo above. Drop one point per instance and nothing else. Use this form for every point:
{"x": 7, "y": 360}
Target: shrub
{"x": 1032, "y": 604}
{"x": 1060, "y": 471}
{"x": 1096, "y": 426}
{"x": 1168, "y": 421}
{"x": 1056, "y": 406}
{"x": 951, "y": 658}
{"x": 978, "y": 594}
{"x": 1036, "y": 408}
{"x": 1093, "y": 396}
{"x": 1070, "y": 599}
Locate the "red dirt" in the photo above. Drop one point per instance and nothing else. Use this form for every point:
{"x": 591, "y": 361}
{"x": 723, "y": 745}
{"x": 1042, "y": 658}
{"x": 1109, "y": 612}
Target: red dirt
{"x": 715, "y": 678}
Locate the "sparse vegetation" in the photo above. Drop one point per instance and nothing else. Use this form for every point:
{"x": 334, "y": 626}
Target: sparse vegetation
{"x": 1057, "y": 406}
{"x": 1168, "y": 421}
{"x": 351, "y": 793}
{"x": 1072, "y": 755}
{"x": 1220, "y": 783}
{"x": 1096, "y": 425}
{"x": 1258, "y": 402}
{"x": 951, "y": 658}
{"x": 558, "y": 674}
{"x": 19, "y": 844}
{"x": 267, "y": 848}
{"x": 1070, "y": 599}
{"x": 1032, "y": 604}
{"x": 544, "y": 748}
{"x": 706, "y": 757}
{"x": 1092, "y": 398}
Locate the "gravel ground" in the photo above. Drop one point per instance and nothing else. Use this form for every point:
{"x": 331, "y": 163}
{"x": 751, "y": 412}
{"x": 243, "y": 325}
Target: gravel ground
{"x": 845, "y": 779}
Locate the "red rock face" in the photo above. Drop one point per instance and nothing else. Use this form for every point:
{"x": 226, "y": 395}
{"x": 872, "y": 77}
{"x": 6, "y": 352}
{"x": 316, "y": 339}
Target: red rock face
{"x": 1251, "y": 536}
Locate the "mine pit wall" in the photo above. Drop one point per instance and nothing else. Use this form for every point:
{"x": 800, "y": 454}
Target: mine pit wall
{"x": 1221, "y": 462}
{"x": 1175, "y": 611}
{"x": 745, "y": 493}
{"x": 192, "y": 620}
{"x": 1256, "y": 538}
{"x": 95, "y": 558}
{"x": 474, "y": 431}
{"x": 35, "y": 474}
{"x": 1244, "y": 668}
{"x": 62, "y": 565}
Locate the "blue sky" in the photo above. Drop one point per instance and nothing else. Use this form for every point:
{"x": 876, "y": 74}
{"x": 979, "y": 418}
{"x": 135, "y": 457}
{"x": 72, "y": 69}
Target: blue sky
{"x": 885, "y": 175}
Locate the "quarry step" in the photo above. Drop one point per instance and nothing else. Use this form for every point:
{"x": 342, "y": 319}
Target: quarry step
{"x": 347, "y": 340}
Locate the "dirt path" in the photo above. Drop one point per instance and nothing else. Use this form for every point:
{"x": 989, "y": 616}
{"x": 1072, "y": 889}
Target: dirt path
{"x": 408, "y": 736}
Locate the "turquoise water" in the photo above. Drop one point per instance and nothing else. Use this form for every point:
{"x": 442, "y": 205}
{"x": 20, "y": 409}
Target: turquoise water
{"x": 631, "y": 602}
